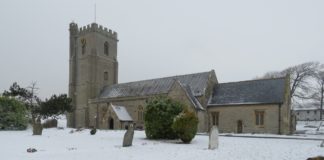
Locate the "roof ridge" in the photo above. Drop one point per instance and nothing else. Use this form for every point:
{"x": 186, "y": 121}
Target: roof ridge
{"x": 160, "y": 78}
{"x": 252, "y": 80}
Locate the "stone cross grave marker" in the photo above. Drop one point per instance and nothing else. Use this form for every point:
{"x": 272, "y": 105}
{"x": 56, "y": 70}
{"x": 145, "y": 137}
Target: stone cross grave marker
{"x": 128, "y": 137}
{"x": 213, "y": 138}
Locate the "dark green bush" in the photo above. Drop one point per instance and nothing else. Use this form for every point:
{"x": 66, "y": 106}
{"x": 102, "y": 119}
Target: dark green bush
{"x": 55, "y": 106}
{"x": 12, "y": 114}
{"x": 158, "y": 118}
{"x": 185, "y": 125}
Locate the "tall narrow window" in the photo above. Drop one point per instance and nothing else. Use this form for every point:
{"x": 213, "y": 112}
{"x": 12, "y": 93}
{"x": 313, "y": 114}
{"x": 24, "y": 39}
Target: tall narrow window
{"x": 215, "y": 118}
{"x": 83, "y": 45}
{"x": 105, "y": 76}
{"x": 259, "y": 118}
{"x": 140, "y": 115}
{"x": 106, "y": 48}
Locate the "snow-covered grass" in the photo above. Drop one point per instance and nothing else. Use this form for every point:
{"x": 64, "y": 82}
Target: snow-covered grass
{"x": 306, "y": 125}
{"x": 57, "y": 144}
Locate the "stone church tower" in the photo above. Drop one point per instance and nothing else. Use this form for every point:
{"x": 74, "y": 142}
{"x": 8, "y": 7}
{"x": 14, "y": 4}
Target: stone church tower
{"x": 93, "y": 65}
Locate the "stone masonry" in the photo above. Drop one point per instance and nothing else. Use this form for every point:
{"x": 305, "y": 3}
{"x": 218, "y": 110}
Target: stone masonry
{"x": 93, "y": 87}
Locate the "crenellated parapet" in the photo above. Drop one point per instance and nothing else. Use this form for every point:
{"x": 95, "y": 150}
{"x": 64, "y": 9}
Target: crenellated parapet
{"x": 74, "y": 28}
{"x": 94, "y": 27}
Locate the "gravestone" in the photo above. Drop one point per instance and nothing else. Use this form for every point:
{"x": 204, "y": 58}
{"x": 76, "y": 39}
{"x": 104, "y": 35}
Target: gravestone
{"x": 37, "y": 127}
{"x": 213, "y": 138}
{"x": 50, "y": 123}
{"x": 322, "y": 144}
{"x": 128, "y": 137}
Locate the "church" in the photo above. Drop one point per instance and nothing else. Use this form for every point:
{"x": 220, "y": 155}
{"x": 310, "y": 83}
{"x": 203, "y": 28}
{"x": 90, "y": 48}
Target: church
{"x": 253, "y": 106}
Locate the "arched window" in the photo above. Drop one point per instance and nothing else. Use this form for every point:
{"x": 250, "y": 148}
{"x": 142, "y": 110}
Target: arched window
{"x": 140, "y": 115}
{"x": 83, "y": 46}
{"x": 106, "y": 48}
{"x": 105, "y": 76}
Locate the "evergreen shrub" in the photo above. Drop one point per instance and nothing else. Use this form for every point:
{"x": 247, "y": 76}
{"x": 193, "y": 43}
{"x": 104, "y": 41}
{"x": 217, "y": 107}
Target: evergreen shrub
{"x": 185, "y": 125}
{"x": 12, "y": 114}
{"x": 158, "y": 117}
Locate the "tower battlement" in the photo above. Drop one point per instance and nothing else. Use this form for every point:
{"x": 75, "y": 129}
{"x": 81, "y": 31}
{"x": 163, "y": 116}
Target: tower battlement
{"x": 94, "y": 27}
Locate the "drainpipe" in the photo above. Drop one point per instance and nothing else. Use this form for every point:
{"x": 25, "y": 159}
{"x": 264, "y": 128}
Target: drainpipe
{"x": 279, "y": 120}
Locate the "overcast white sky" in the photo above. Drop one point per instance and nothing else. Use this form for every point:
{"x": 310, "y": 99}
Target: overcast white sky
{"x": 238, "y": 39}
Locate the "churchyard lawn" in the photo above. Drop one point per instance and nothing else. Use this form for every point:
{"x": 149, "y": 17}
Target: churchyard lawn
{"x": 57, "y": 144}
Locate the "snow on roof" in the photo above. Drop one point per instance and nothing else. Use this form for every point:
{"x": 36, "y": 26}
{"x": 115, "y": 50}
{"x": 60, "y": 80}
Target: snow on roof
{"x": 196, "y": 81}
{"x": 191, "y": 96}
{"x": 121, "y": 113}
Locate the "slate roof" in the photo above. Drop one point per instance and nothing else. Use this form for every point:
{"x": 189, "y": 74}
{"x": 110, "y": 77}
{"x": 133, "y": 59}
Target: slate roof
{"x": 197, "y": 83}
{"x": 191, "y": 96}
{"x": 265, "y": 91}
{"x": 121, "y": 113}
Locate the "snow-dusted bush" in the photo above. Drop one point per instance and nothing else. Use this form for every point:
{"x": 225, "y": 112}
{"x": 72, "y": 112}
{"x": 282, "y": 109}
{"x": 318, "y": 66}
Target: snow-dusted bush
{"x": 158, "y": 118}
{"x": 185, "y": 125}
{"x": 12, "y": 114}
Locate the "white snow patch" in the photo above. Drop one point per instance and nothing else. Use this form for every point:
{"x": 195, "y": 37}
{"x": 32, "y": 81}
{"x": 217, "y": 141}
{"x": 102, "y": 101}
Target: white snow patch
{"x": 57, "y": 144}
{"x": 121, "y": 113}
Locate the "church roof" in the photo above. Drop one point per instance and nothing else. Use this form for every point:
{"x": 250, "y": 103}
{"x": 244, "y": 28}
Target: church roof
{"x": 264, "y": 91}
{"x": 192, "y": 98}
{"x": 197, "y": 83}
{"x": 121, "y": 113}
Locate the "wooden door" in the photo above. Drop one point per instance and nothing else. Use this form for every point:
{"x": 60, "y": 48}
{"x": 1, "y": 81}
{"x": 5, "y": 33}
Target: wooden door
{"x": 239, "y": 126}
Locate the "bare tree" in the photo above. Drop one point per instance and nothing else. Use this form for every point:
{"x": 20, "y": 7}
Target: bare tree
{"x": 319, "y": 92}
{"x": 33, "y": 102}
{"x": 322, "y": 93}
{"x": 300, "y": 79}
{"x": 273, "y": 74}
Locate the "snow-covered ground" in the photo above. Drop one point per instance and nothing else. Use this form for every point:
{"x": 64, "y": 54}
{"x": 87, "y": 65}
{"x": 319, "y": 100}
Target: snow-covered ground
{"x": 310, "y": 127}
{"x": 57, "y": 144}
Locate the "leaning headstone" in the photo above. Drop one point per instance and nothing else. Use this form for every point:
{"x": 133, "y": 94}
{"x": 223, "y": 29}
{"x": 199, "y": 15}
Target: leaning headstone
{"x": 128, "y": 137}
{"x": 322, "y": 144}
{"x": 213, "y": 138}
{"x": 37, "y": 127}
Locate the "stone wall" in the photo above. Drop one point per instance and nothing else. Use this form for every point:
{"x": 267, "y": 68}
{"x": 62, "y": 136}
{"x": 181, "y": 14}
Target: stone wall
{"x": 105, "y": 118}
{"x": 230, "y": 115}
{"x": 132, "y": 105}
{"x": 87, "y": 67}
{"x": 179, "y": 94}
{"x": 287, "y": 123}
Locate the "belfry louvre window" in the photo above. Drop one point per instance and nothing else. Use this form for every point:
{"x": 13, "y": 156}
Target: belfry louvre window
{"x": 83, "y": 46}
{"x": 259, "y": 118}
{"x": 215, "y": 118}
{"x": 106, "y": 48}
